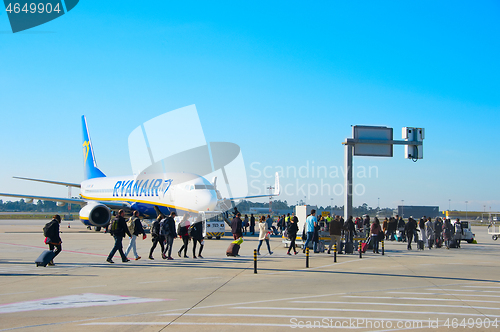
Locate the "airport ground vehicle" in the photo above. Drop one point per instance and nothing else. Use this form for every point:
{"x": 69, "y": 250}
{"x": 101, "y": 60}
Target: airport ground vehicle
{"x": 214, "y": 224}
{"x": 467, "y": 234}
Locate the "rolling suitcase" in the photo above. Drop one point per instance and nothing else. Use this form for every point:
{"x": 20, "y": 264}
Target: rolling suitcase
{"x": 349, "y": 248}
{"x": 364, "y": 246}
{"x": 233, "y": 249}
{"x": 45, "y": 258}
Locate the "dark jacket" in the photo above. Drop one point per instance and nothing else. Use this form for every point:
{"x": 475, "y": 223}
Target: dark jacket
{"x": 53, "y": 232}
{"x": 122, "y": 228}
{"x": 197, "y": 231}
{"x": 293, "y": 228}
{"x": 335, "y": 227}
{"x": 252, "y": 221}
{"x": 138, "y": 229}
{"x": 155, "y": 229}
{"x": 410, "y": 227}
{"x": 236, "y": 226}
{"x": 167, "y": 227}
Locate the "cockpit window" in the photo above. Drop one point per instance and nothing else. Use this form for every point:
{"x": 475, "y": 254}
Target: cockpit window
{"x": 203, "y": 186}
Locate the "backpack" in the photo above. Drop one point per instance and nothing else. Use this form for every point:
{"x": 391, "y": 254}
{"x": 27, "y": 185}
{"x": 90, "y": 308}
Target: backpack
{"x": 48, "y": 229}
{"x": 191, "y": 230}
{"x": 114, "y": 226}
{"x": 131, "y": 225}
{"x": 155, "y": 228}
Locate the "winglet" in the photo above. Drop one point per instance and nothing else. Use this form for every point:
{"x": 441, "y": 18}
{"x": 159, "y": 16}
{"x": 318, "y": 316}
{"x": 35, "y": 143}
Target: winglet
{"x": 89, "y": 165}
{"x": 277, "y": 188}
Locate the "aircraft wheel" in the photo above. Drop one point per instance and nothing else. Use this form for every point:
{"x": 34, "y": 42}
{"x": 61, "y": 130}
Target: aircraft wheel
{"x": 98, "y": 229}
{"x": 494, "y": 237}
{"x": 209, "y": 237}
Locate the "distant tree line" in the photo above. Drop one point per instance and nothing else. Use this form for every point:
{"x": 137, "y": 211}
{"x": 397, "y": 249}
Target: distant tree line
{"x": 40, "y": 206}
{"x": 49, "y": 206}
{"x": 283, "y": 205}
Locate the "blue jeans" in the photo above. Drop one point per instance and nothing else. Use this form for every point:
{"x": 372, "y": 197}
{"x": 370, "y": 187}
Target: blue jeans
{"x": 375, "y": 240}
{"x": 268, "y": 246}
{"x": 118, "y": 247}
{"x": 131, "y": 245}
{"x": 309, "y": 239}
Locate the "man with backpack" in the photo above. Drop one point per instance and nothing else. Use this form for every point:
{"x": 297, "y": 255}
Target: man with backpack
{"x": 167, "y": 229}
{"x": 156, "y": 237}
{"x": 118, "y": 230}
{"x": 135, "y": 228}
{"x": 52, "y": 238}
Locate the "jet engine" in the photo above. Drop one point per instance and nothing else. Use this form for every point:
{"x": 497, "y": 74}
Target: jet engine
{"x": 95, "y": 214}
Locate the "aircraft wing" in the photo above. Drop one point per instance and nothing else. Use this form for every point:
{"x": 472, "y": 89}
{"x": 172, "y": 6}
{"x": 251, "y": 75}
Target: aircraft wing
{"x": 46, "y": 198}
{"x": 67, "y": 184}
{"x": 112, "y": 206}
{"x": 276, "y": 192}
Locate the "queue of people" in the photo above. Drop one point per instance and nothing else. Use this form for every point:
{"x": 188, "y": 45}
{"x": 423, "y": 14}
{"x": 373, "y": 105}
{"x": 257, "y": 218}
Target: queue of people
{"x": 425, "y": 233}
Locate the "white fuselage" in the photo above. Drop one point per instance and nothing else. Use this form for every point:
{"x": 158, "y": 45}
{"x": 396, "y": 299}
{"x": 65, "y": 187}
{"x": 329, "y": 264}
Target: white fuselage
{"x": 182, "y": 192}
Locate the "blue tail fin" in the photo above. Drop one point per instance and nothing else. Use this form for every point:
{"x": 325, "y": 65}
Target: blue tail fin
{"x": 89, "y": 165}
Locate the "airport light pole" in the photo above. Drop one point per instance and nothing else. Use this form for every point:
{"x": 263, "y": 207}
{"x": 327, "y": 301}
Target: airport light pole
{"x": 331, "y": 207}
{"x": 403, "y": 208}
{"x": 466, "y": 209}
{"x": 449, "y": 204}
{"x": 378, "y": 204}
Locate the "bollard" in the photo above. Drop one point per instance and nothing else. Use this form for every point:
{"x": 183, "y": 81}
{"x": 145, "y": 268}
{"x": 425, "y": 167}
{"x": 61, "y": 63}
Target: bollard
{"x": 335, "y": 252}
{"x": 307, "y": 257}
{"x": 383, "y": 247}
{"x": 255, "y": 261}
{"x": 359, "y": 249}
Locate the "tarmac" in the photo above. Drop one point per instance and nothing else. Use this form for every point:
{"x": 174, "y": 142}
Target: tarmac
{"x": 430, "y": 290}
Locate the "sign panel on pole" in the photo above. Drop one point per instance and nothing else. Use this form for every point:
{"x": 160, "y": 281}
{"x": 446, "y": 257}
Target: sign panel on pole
{"x": 373, "y": 133}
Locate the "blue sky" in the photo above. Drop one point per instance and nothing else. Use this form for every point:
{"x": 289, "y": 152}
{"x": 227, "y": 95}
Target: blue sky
{"x": 283, "y": 80}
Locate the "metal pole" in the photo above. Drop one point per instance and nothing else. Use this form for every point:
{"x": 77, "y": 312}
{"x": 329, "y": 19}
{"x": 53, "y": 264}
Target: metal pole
{"x": 335, "y": 252}
{"x": 383, "y": 247}
{"x": 255, "y": 261}
{"x": 307, "y": 257}
{"x": 359, "y": 249}
{"x": 348, "y": 180}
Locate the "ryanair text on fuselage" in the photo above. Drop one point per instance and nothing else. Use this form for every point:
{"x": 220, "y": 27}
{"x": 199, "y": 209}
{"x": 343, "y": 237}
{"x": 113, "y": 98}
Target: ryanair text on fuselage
{"x": 136, "y": 188}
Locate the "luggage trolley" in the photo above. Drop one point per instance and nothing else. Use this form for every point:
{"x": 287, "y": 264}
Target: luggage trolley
{"x": 492, "y": 230}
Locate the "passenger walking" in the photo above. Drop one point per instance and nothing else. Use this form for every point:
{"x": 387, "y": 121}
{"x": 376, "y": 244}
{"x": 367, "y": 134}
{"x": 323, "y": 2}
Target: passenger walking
{"x": 458, "y": 232}
{"x": 197, "y": 235}
{"x": 401, "y": 227}
{"x": 438, "y": 230}
{"x": 447, "y": 233}
{"x": 375, "y": 232}
{"x": 118, "y": 230}
{"x": 410, "y": 228}
{"x": 52, "y": 238}
{"x": 156, "y": 237}
{"x": 263, "y": 235}
{"x": 167, "y": 228}
{"x": 311, "y": 222}
{"x": 236, "y": 226}
{"x": 423, "y": 233}
{"x": 252, "y": 224}
{"x": 349, "y": 228}
{"x": 135, "y": 228}
{"x": 429, "y": 230}
{"x": 292, "y": 229}
{"x": 385, "y": 228}
{"x": 316, "y": 238}
{"x": 184, "y": 234}
{"x": 335, "y": 234}
{"x": 245, "y": 223}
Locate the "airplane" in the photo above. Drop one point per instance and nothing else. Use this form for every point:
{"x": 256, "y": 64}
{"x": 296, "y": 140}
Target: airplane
{"x": 150, "y": 194}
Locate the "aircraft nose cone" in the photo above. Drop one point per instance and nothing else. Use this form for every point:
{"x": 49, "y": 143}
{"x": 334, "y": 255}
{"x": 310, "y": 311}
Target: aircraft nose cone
{"x": 207, "y": 201}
